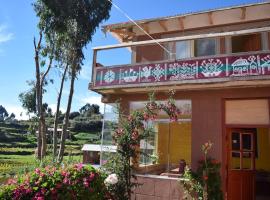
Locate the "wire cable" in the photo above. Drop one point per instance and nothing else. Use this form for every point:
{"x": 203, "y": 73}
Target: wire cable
{"x": 136, "y": 24}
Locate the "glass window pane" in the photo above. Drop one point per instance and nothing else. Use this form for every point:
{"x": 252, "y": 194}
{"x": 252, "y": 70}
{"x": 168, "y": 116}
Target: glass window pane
{"x": 246, "y": 142}
{"x": 148, "y": 147}
{"x": 182, "y": 49}
{"x": 110, "y": 123}
{"x": 235, "y": 141}
{"x": 235, "y": 161}
{"x": 205, "y": 47}
{"x": 247, "y": 160}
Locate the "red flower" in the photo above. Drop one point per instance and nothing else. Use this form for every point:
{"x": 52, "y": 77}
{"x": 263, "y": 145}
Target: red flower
{"x": 58, "y": 185}
{"x": 134, "y": 135}
{"x": 92, "y": 176}
{"x": 205, "y": 178}
{"x": 214, "y": 162}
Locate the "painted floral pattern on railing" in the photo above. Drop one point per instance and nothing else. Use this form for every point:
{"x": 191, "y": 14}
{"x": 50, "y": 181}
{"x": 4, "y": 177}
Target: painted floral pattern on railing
{"x": 245, "y": 65}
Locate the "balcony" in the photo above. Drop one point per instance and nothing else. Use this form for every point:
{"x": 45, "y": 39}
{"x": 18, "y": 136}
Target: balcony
{"x": 231, "y": 69}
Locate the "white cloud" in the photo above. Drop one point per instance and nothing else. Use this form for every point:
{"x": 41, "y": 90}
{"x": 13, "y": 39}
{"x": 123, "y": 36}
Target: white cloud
{"x": 4, "y": 35}
{"x": 17, "y": 110}
{"x": 54, "y": 106}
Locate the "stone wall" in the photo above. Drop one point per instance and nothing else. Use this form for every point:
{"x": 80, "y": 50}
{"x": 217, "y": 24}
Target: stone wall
{"x": 158, "y": 188}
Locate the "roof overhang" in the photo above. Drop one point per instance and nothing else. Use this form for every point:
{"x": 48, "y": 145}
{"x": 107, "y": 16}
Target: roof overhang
{"x": 127, "y": 31}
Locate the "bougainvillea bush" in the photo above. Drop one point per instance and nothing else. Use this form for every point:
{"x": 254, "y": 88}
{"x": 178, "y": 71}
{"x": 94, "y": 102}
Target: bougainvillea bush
{"x": 77, "y": 182}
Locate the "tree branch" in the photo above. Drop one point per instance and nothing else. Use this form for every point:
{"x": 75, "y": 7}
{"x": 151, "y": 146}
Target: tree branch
{"x": 48, "y": 69}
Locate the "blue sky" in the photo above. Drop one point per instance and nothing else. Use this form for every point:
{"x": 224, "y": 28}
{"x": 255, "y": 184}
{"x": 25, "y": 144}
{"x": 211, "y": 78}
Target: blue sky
{"x": 18, "y": 26}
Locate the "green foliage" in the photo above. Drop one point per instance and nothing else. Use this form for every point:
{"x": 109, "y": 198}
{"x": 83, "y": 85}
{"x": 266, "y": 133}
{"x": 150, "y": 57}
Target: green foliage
{"x": 75, "y": 182}
{"x": 206, "y": 182}
{"x": 87, "y": 126}
{"x": 28, "y": 100}
{"x": 88, "y": 110}
{"x": 192, "y": 185}
{"x": 212, "y": 178}
{"x": 196, "y": 182}
{"x": 73, "y": 115}
{"x": 73, "y": 21}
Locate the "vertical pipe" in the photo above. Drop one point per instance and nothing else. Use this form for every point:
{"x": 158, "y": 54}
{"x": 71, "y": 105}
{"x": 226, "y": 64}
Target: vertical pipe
{"x": 94, "y": 68}
{"x": 102, "y": 136}
{"x": 168, "y": 149}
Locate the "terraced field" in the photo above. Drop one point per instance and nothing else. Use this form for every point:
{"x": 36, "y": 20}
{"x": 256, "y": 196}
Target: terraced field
{"x": 17, "y": 149}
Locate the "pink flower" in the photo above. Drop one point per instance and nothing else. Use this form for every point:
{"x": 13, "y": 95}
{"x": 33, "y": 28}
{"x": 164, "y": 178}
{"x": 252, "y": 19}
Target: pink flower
{"x": 47, "y": 168}
{"x": 79, "y": 166}
{"x": 64, "y": 173}
{"x": 11, "y": 181}
{"x": 145, "y": 116}
{"x": 66, "y": 181}
{"x": 92, "y": 176}
{"x": 130, "y": 118}
{"x": 28, "y": 190}
{"x": 37, "y": 171}
{"x": 85, "y": 182}
{"x": 119, "y": 132}
{"x": 43, "y": 190}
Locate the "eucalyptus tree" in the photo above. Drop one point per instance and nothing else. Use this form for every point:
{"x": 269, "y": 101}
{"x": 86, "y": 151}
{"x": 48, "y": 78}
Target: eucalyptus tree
{"x": 74, "y": 21}
{"x": 42, "y": 54}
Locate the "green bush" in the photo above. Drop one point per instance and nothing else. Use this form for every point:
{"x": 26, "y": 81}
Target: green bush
{"x": 87, "y": 126}
{"x": 77, "y": 182}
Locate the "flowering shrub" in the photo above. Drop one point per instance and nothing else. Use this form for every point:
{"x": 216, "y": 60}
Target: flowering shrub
{"x": 130, "y": 132}
{"x": 209, "y": 175}
{"x": 76, "y": 182}
{"x": 205, "y": 183}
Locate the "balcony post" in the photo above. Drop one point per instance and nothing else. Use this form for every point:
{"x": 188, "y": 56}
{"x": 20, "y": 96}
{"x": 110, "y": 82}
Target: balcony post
{"x": 94, "y": 65}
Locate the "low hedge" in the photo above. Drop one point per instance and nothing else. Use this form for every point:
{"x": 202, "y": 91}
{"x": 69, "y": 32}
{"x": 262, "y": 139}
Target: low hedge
{"x": 77, "y": 182}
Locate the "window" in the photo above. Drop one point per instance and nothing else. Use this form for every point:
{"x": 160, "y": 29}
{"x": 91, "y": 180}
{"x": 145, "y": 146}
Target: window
{"x": 169, "y": 143}
{"x": 205, "y": 47}
{"x": 245, "y": 43}
{"x": 182, "y": 49}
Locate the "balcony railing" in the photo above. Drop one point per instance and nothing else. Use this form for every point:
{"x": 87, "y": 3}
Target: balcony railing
{"x": 199, "y": 70}
{"x": 210, "y": 69}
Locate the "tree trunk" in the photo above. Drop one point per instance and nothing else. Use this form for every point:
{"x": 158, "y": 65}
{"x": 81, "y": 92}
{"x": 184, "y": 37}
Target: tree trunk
{"x": 40, "y": 78}
{"x": 39, "y": 142}
{"x": 43, "y": 133}
{"x": 39, "y": 139}
{"x": 57, "y": 113}
{"x": 66, "y": 119}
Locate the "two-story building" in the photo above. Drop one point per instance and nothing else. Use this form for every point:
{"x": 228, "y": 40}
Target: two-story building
{"x": 218, "y": 63}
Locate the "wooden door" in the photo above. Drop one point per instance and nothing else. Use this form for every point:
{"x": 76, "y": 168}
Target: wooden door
{"x": 241, "y": 164}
